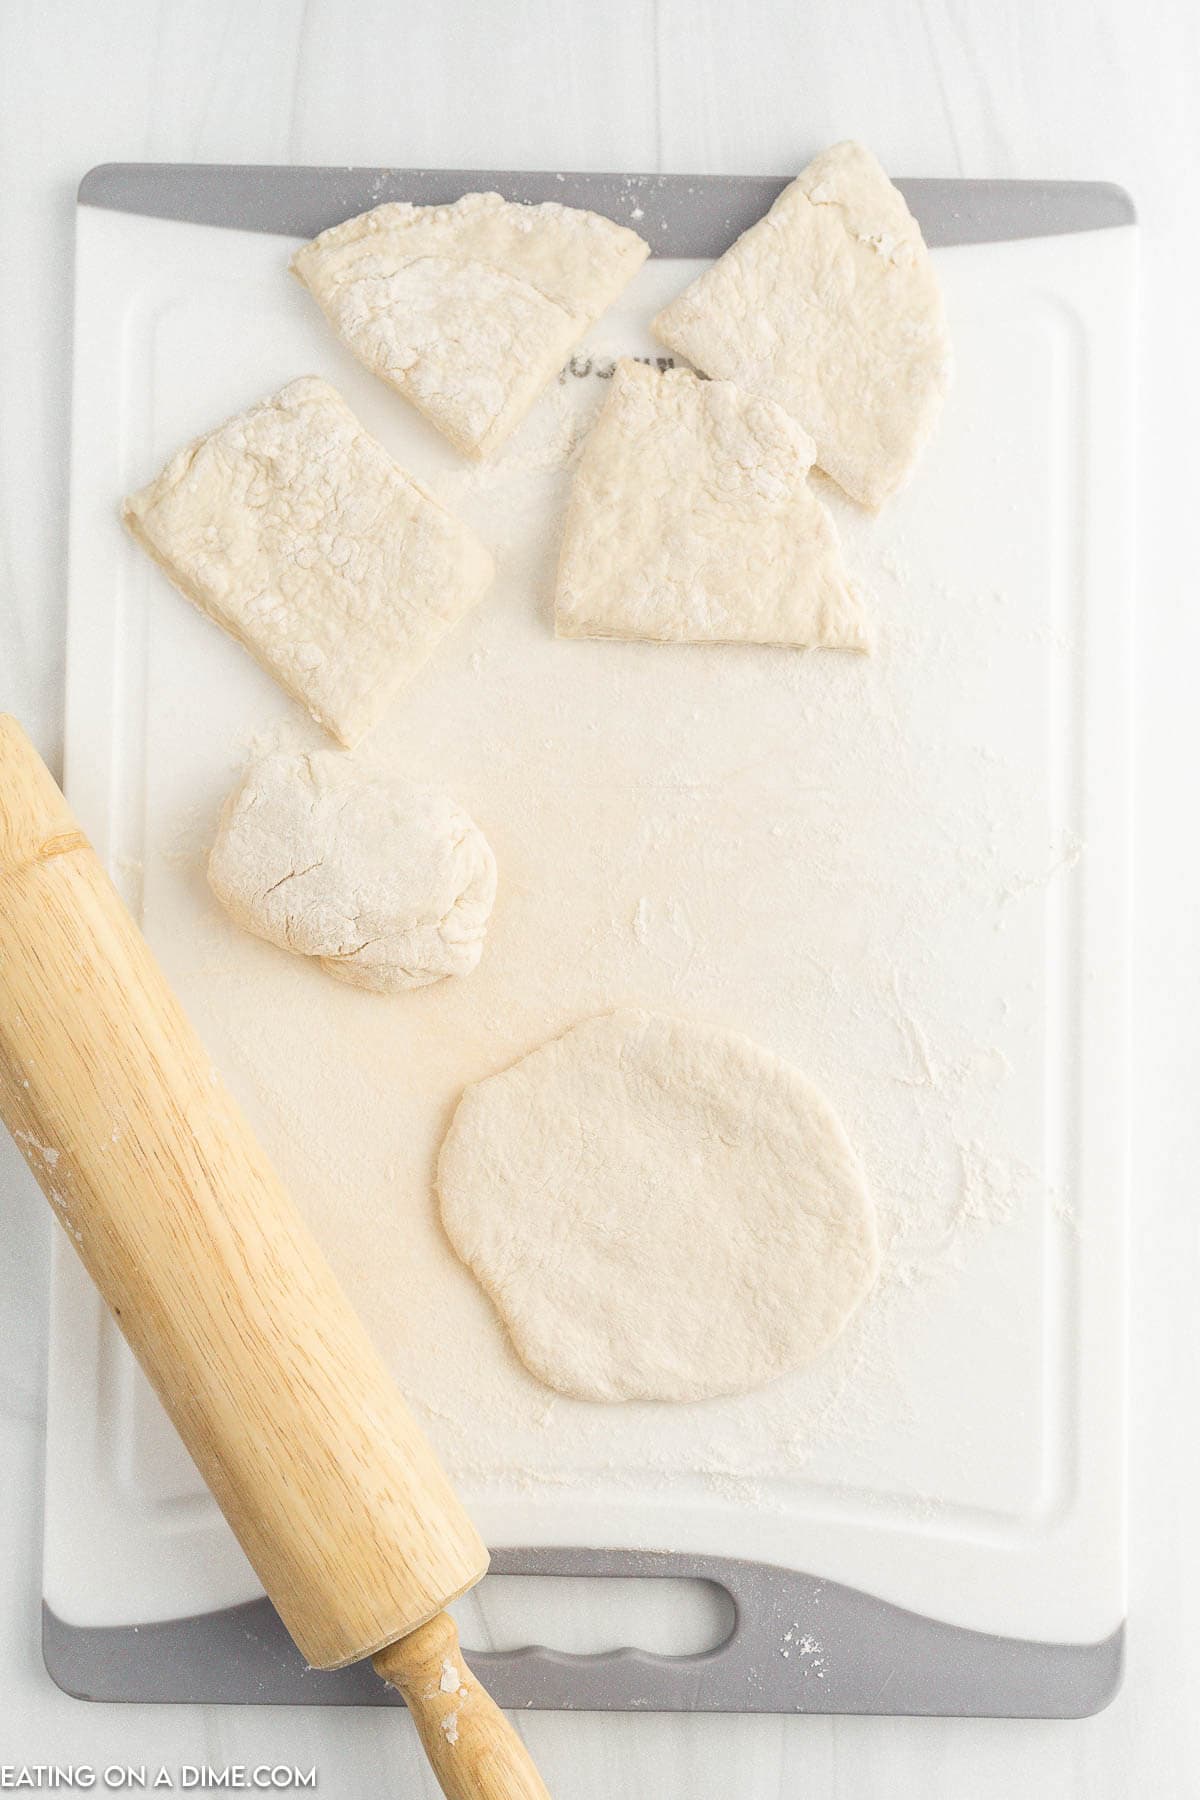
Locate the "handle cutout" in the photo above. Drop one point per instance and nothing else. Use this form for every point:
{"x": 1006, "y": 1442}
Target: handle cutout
{"x": 582, "y": 1615}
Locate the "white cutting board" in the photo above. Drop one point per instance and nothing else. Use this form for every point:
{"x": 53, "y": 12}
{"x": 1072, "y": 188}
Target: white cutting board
{"x": 907, "y": 876}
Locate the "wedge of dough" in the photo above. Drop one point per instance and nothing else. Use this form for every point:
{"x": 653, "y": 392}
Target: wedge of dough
{"x": 691, "y": 520}
{"x": 293, "y": 529}
{"x": 659, "y": 1208}
{"x": 830, "y": 306}
{"x": 468, "y": 310}
{"x": 390, "y": 886}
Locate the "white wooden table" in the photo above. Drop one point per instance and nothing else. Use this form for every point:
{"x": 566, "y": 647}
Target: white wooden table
{"x": 1085, "y": 88}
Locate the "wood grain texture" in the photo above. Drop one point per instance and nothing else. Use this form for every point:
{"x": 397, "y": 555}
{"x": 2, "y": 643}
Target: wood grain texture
{"x": 472, "y": 1749}
{"x": 224, "y": 1296}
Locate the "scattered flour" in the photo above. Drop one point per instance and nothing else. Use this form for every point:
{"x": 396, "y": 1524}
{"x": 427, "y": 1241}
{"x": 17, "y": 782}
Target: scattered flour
{"x": 47, "y": 1153}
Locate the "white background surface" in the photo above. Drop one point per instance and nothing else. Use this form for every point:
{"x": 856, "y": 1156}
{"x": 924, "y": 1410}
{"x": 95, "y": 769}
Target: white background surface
{"x": 1080, "y": 90}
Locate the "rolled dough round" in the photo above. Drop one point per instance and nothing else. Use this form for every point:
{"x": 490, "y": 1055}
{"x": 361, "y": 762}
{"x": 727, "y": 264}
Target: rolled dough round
{"x": 659, "y": 1209}
{"x": 388, "y": 885}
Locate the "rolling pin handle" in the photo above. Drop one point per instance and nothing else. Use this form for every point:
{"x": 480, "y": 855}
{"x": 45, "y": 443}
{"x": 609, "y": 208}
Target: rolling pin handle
{"x": 473, "y": 1750}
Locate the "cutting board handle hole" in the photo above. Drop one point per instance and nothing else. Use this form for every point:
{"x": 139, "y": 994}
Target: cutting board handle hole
{"x": 585, "y": 1615}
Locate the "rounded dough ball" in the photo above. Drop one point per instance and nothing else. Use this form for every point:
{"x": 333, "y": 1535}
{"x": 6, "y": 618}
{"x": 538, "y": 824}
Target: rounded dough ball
{"x": 390, "y": 886}
{"x": 659, "y": 1209}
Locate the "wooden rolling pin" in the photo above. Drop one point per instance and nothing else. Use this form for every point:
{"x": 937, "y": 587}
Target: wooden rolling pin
{"x": 224, "y": 1296}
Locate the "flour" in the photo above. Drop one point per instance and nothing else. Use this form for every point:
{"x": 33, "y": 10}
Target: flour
{"x": 809, "y": 849}
{"x": 808, "y": 1648}
{"x": 47, "y": 1153}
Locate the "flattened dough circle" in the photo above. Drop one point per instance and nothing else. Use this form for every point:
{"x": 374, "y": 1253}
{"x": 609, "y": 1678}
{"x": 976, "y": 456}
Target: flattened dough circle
{"x": 659, "y": 1209}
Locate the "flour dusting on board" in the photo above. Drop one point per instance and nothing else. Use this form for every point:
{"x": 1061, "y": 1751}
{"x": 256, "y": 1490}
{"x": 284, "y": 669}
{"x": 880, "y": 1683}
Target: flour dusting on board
{"x": 818, "y": 850}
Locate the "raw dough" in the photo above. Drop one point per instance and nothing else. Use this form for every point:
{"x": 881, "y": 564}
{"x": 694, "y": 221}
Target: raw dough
{"x": 390, "y": 886}
{"x": 468, "y": 310}
{"x": 830, "y": 306}
{"x": 659, "y": 1209}
{"x": 294, "y": 529}
{"x": 691, "y": 518}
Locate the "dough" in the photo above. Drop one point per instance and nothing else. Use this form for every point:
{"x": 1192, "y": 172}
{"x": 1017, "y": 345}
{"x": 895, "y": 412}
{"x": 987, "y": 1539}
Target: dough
{"x": 691, "y": 518}
{"x": 830, "y": 306}
{"x": 659, "y": 1209}
{"x": 390, "y": 886}
{"x": 295, "y": 530}
{"x": 468, "y": 310}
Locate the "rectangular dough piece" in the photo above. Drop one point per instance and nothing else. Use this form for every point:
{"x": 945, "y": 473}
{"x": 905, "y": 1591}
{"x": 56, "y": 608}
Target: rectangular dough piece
{"x": 294, "y": 530}
{"x": 469, "y": 310}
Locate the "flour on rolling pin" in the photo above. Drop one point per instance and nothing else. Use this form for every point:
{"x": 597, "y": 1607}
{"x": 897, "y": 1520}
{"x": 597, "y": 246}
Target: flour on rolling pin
{"x": 809, "y": 848}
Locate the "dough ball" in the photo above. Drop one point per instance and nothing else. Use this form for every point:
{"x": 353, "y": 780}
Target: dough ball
{"x": 659, "y": 1209}
{"x": 389, "y": 885}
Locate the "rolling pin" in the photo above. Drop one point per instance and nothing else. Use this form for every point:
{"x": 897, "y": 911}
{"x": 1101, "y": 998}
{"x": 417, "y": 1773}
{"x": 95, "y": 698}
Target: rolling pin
{"x": 224, "y": 1296}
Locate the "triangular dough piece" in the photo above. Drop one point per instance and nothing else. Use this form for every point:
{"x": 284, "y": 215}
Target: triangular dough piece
{"x": 691, "y": 520}
{"x": 468, "y": 310}
{"x": 830, "y": 306}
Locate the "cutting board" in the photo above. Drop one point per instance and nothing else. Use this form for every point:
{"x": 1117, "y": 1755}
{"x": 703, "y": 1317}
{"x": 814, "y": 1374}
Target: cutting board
{"x": 907, "y": 874}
